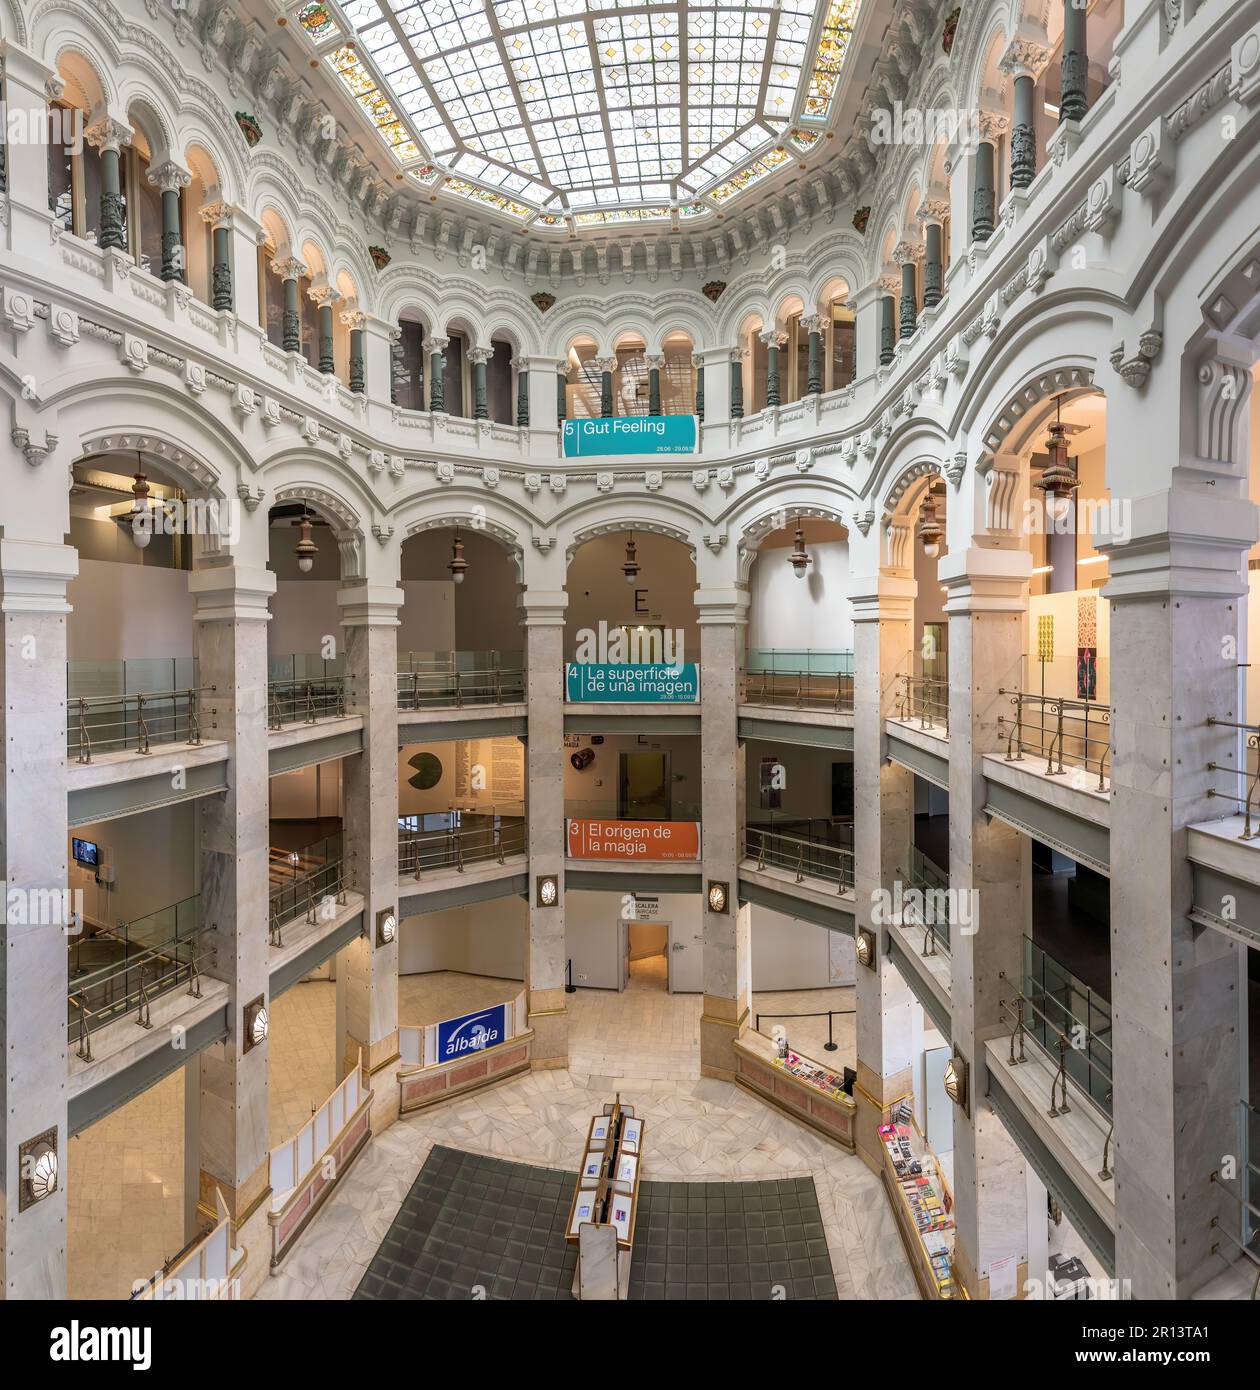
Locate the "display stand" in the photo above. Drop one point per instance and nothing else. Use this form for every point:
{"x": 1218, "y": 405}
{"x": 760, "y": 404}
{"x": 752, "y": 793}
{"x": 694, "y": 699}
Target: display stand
{"x": 923, "y": 1206}
{"x": 605, "y": 1203}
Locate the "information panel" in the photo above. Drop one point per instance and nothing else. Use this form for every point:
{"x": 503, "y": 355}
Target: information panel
{"x": 634, "y": 839}
{"x": 638, "y": 684}
{"x": 630, "y": 434}
{"x": 469, "y": 1033}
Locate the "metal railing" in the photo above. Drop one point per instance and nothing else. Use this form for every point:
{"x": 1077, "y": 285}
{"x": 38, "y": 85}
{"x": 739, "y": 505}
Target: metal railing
{"x": 928, "y": 877}
{"x": 113, "y": 723}
{"x": 305, "y": 700}
{"x": 469, "y": 840}
{"x": 802, "y": 858}
{"x": 1251, "y": 775}
{"x": 923, "y": 698}
{"x": 1243, "y": 1186}
{"x": 830, "y": 1045}
{"x": 436, "y": 680}
{"x": 317, "y": 875}
{"x": 799, "y": 690}
{"x": 1047, "y": 726}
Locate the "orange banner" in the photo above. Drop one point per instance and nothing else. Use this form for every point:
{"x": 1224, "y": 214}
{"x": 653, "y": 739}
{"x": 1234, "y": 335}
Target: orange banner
{"x": 634, "y": 839}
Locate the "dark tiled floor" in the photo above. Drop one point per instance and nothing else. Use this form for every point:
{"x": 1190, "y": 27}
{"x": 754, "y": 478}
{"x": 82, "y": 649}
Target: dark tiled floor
{"x": 481, "y": 1227}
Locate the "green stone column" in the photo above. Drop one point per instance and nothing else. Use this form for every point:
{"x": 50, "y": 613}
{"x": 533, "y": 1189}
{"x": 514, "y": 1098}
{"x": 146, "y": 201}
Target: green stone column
{"x": 522, "y": 391}
{"x": 221, "y": 293}
{"x": 887, "y": 311}
{"x": 655, "y": 364}
{"x": 698, "y": 364}
{"x": 323, "y": 297}
{"x": 171, "y": 179}
{"x": 606, "y": 366}
{"x": 1023, "y": 133}
{"x": 737, "y": 383}
{"x": 108, "y": 136}
{"x": 396, "y": 365}
{"x": 813, "y": 324}
{"x": 561, "y": 398}
{"x": 1074, "y": 101}
{"x": 290, "y": 270}
{"x": 354, "y": 321}
{"x": 933, "y": 250}
{"x": 479, "y": 357}
{"x": 773, "y": 341}
{"x": 982, "y": 208}
{"x": 437, "y": 383}
{"x": 905, "y": 256}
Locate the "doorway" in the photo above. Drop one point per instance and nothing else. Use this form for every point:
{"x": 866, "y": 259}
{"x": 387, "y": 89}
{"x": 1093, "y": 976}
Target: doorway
{"x": 643, "y": 787}
{"x": 646, "y": 956}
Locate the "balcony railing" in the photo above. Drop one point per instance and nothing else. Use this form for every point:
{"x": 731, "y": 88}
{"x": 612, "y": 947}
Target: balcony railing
{"x": 1077, "y": 732}
{"x": 1243, "y": 1185}
{"x": 928, "y": 877}
{"x": 451, "y": 680}
{"x": 924, "y": 699}
{"x": 469, "y": 839}
{"x": 305, "y": 700}
{"x": 151, "y": 956}
{"x": 799, "y": 857}
{"x": 799, "y": 690}
{"x": 114, "y": 723}
{"x": 1249, "y": 772}
{"x": 302, "y": 881}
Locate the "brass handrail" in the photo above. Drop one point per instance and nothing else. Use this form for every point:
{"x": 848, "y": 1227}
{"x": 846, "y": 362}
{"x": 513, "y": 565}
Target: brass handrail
{"x": 1062, "y": 711}
{"x": 94, "y": 734}
{"x": 315, "y": 697}
{"x": 1252, "y": 742}
{"x": 782, "y": 848}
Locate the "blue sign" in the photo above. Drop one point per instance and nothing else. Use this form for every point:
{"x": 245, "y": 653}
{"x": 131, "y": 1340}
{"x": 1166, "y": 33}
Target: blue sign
{"x": 459, "y": 1037}
{"x": 630, "y": 434}
{"x": 636, "y": 684}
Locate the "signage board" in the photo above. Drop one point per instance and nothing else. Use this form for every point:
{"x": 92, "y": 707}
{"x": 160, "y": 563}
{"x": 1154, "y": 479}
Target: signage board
{"x": 461, "y": 1037}
{"x": 630, "y": 434}
{"x": 633, "y": 840}
{"x": 631, "y": 683}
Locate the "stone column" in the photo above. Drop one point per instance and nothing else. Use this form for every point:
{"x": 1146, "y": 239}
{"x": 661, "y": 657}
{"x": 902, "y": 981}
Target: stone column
{"x": 290, "y": 270}
{"x": 322, "y": 296}
{"x": 773, "y": 341}
{"x": 437, "y": 381}
{"x": 982, "y": 198}
{"x": 109, "y": 136}
{"x": 655, "y": 364}
{"x": 889, "y": 285}
{"x": 545, "y": 381}
{"x": 1178, "y": 1013}
{"x": 1023, "y": 128}
{"x": 814, "y": 325}
{"x": 245, "y": 234}
{"x": 1074, "y": 99}
{"x": 543, "y": 620}
{"x": 396, "y": 364}
{"x": 33, "y": 838}
{"x": 605, "y": 366}
{"x": 219, "y": 217}
{"x": 231, "y": 617}
{"x": 171, "y": 178}
{"x": 883, "y": 616}
{"x": 478, "y": 357}
{"x": 29, "y": 86}
{"x": 521, "y": 364}
{"x": 991, "y": 873}
{"x": 723, "y": 615}
{"x": 354, "y": 320}
{"x": 562, "y": 403}
{"x": 697, "y": 363}
{"x": 933, "y": 214}
{"x": 738, "y": 357}
{"x": 868, "y": 328}
{"x": 368, "y": 969}
{"x": 907, "y": 255}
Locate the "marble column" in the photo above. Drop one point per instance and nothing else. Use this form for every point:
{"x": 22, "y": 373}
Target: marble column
{"x": 982, "y": 205}
{"x": 562, "y": 403}
{"x": 697, "y": 363}
{"x": 109, "y": 136}
{"x": 933, "y": 214}
{"x": 230, "y": 643}
{"x": 1177, "y": 588}
{"x": 219, "y": 217}
{"x": 814, "y": 325}
{"x": 478, "y": 357}
{"x": 33, "y": 861}
{"x": 887, "y": 320}
{"x": 991, "y": 873}
{"x": 367, "y": 970}
{"x": 1074, "y": 98}
{"x": 290, "y": 270}
{"x": 521, "y": 364}
{"x": 397, "y": 365}
{"x": 773, "y": 341}
{"x": 322, "y": 297}
{"x": 883, "y": 615}
{"x": 738, "y": 357}
{"x": 907, "y": 255}
{"x": 171, "y": 179}
{"x": 543, "y": 620}
{"x": 1023, "y": 133}
{"x": 437, "y": 373}
{"x": 354, "y": 321}
{"x": 655, "y": 365}
{"x": 723, "y": 616}
{"x": 605, "y": 366}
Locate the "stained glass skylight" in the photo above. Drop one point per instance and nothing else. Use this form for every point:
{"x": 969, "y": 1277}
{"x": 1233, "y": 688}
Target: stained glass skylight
{"x": 598, "y": 111}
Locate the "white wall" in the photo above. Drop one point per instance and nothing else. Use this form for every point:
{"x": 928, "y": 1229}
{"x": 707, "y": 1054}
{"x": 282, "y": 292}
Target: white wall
{"x": 806, "y": 775}
{"x": 788, "y": 953}
{"x": 132, "y": 611}
{"x": 600, "y": 781}
{"x": 502, "y": 758}
{"x": 481, "y": 939}
{"x": 666, "y": 584}
{"x": 810, "y": 612}
{"x": 156, "y": 864}
{"x": 308, "y": 793}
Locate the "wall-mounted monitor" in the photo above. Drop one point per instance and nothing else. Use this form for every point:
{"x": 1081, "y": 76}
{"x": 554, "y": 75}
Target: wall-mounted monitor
{"x": 86, "y": 852}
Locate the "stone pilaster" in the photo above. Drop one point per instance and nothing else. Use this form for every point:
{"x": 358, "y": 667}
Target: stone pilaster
{"x": 367, "y": 969}
{"x": 883, "y": 614}
{"x": 29, "y": 86}
{"x": 990, "y": 871}
{"x": 543, "y": 620}
{"x": 33, "y": 865}
{"x": 231, "y": 646}
{"x": 723, "y": 615}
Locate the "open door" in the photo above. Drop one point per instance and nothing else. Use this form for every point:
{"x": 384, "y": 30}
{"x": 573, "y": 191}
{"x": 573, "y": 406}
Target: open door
{"x": 643, "y": 791}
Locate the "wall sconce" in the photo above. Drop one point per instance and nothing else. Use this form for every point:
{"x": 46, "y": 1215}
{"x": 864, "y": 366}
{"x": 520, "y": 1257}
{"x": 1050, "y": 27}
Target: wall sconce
{"x": 256, "y": 1023}
{"x": 719, "y": 896}
{"x": 37, "y": 1168}
{"x": 386, "y": 926}
{"x": 958, "y": 1083}
{"x": 864, "y": 947}
{"x": 546, "y": 890}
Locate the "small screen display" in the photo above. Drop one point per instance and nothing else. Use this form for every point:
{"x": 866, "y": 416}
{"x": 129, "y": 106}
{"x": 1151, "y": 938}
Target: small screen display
{"x": 86, "y": 852}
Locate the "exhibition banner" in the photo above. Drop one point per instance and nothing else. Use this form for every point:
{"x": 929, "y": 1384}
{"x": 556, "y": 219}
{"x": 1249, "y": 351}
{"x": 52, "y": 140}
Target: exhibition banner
{"x": 640, "y": 684}
{"x": 457, "y": 1037}
{"x": 634, "y": 839}
{"x": 630, "y": 434}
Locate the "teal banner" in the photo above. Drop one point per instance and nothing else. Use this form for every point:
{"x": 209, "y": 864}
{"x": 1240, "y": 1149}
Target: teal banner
{"x": 638, "y": 684}
{"x": 630, "y": 434}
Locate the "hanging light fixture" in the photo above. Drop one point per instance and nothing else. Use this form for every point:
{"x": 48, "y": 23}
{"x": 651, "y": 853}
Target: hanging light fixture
{"x": 306, "y": 549}
{"x": 631, "y": 566}
{"x": 1058, "y": 479}
{"x": 930, "y": 528}
{"x": 141, "y": 514}
{"x": 457, "y": 565}
{"x": 800, "y": 558}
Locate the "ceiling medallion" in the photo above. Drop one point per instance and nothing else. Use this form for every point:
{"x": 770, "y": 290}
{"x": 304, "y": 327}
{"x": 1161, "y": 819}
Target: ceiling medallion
{"x": 860, "y": 218}
{"x": 713, "y": 290}
{"x": 380, "y": 257}
{"x": 542, "y": 301}
{"x": 250, "y": 128}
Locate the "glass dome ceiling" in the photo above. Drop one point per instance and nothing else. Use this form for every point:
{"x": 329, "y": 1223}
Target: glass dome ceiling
{"x": 586, "y": 112}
